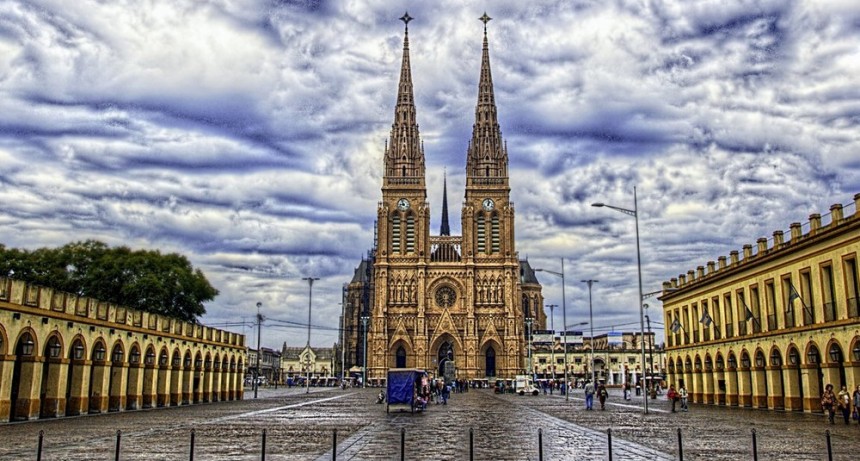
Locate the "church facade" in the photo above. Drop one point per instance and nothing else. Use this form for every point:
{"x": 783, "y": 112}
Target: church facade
{"x": 456, "y": 306}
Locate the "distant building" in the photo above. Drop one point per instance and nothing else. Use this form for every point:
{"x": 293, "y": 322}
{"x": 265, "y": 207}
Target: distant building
{"x": 771, "y": 327}
{"x": 617, "y": 359}
{"x": 317, "y": 362}
{"x": 270, "y": 367}
{"x": 453, "y": 305}
{"x": 67, "y": 355}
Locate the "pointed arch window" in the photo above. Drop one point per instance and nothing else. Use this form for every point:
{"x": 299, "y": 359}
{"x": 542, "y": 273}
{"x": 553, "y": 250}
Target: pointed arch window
{"x": 410, "y": 233}
{"x": 494, "y": 233}
{"x": 482, "y": 234}
{"x": 395, "y": 233}
{"x": 401, "y": 357}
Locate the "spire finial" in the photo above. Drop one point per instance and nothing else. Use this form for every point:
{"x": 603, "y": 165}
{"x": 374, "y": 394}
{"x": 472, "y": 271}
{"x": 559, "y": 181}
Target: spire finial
{"x": 485, "y": 19}
{"x": 406, "y": 18}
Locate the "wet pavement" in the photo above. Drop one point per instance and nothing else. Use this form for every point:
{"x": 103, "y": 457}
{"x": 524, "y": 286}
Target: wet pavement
{"x": 300, "y": 426}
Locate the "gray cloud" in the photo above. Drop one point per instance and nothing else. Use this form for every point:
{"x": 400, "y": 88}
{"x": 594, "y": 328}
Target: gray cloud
{"x": 248, "y": 134}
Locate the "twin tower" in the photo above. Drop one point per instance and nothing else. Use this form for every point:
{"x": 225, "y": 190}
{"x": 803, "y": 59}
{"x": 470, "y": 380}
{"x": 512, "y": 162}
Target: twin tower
{"x": 456, "y": 306}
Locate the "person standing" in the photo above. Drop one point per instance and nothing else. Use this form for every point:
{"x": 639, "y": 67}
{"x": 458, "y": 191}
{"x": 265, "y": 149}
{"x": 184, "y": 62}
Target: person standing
{"x": 857, "y": 403}
{"x": 672, "y": 396}
{"x": 589, "y": 395}
{"x": 845, "y": 404}
{"x": 602, "y": 394}
{"x": 682, "y": 395}
{"x": 828, "y": 402}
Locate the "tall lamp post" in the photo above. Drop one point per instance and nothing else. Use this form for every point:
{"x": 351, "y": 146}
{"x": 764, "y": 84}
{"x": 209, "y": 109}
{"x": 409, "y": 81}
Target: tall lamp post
{"x": 529, "y": 321}
{"x": 635, "y": 213}
{"x": 259, "y": 354}
{"x": 310, "y": 303}
{"x": 650, "y": 349}
{"x": 364, "y": 319}
{"x": 552, "y": 327}
{"x": 564, "y": 322}
{"x": 591, "y": 282}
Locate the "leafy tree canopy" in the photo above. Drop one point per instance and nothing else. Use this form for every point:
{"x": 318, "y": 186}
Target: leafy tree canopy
{"x": 145, "y": 280}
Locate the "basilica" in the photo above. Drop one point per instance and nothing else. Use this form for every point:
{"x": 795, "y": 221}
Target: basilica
{"x": 458, "y": 306}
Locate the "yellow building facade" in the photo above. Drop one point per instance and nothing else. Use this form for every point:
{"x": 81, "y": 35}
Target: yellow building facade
{"x": 771, "y": 326}
{"x": 65, "y": 355}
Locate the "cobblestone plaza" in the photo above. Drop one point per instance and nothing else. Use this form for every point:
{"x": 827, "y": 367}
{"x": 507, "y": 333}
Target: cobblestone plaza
{"x": 299, "y": 426}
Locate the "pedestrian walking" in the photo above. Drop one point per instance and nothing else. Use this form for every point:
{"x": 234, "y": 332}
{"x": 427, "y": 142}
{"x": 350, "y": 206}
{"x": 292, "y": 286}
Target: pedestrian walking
{"x": 589, "y": 395}
{"x": 602, "y": 394}
{"x": 828, "y": 402}
{"x": 857, "y": 404}
{"x": 672, "y": 396}
{"x": 682, "y": 395}
{"x": 845, "y": 404}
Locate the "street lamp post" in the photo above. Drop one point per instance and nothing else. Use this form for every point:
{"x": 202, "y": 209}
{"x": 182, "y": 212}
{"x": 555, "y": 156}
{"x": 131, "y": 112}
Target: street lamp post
{"x": 259, "y": 353}
{"x": 552, "y": 327}
{"x": 310, "y": 303}
{"x": 564, "y": 322}
{"x": 635, "y": 213}
{"x": 650, "y": 349}
{"x": 364, "y": 319}
{"x": 529, "y": 321}
{"x": 591, "y": 282}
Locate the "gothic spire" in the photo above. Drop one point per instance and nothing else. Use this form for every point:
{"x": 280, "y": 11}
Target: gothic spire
{"x": 404, "y": 155}
{"x": 445, "y": 230}
{"x": 487, "y": 156}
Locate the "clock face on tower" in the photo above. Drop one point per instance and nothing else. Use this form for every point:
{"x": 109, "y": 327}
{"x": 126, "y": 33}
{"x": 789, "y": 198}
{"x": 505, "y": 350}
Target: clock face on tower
{"x": 403, "y": 204}
{"x": 488, "y": 204}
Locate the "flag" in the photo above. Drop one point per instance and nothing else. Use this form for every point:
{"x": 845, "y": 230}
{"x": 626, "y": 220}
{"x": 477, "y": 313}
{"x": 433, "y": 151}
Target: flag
{"x": 676, "y": 325}
{"x": 749, "y": 312}
{"x": 792, "y": 295}
{"x": 706, "y": 319}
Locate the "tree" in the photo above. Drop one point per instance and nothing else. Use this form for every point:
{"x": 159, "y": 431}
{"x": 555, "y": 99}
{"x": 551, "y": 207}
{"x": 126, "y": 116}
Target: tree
{"x": 144, "y": 279}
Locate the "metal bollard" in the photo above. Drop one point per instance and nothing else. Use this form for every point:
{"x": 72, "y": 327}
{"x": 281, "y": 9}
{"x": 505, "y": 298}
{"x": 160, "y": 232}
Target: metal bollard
{"x": 118, "y": 437}
{"x": 755, "y": 446}
{"x": 829, "y": 447}
{"x": 402, "y": 444}
{"x": 540, "y": 445}
{"x": 609, "y": 442}
{"x": 471, "y": 445}
{"x": 39, "y": 449}
{"x": 680, "y": 446}
{"x": 191, "y": 455}
{"x": 333, "y": 443}
{"x": 263, "y": 451}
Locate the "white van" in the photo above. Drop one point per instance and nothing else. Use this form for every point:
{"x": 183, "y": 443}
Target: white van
{"x": 523, "y": 385}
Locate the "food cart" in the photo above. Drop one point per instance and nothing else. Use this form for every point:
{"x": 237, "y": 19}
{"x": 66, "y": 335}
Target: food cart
{"x": 404, "y": 384}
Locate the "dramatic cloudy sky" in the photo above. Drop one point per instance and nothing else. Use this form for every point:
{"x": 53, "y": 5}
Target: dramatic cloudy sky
{"x": 248, "y": 134}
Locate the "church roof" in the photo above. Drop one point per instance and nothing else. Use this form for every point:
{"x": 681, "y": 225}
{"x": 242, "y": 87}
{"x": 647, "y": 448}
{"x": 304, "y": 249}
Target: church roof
{"x": 361, "y": 273}
{"x": 527, "y": 274}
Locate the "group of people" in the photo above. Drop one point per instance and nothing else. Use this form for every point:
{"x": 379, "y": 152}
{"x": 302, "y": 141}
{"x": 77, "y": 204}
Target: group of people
{"x": 602, "y": 395}
{"x": 678, "y": 396}
{"x": 844, "y": 402}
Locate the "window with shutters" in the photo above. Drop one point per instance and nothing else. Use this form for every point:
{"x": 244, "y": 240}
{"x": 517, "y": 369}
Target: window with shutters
{"x": 395, "y": 234}
{"x": 494, "y": 223}
{"x": 410, "y": 234}
{"x": 482, "y": 236}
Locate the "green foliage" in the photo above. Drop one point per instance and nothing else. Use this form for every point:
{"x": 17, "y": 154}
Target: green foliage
{"x": 143, "y": 280}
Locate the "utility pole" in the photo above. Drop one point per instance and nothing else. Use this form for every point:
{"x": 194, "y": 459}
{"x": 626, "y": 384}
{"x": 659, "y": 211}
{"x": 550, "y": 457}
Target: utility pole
{"x": 259, "y": 352}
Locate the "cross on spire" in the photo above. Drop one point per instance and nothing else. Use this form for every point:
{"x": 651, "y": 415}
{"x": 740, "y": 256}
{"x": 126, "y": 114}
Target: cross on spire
{"x": 406, "y": 18}
{"x": 485, "y": 19}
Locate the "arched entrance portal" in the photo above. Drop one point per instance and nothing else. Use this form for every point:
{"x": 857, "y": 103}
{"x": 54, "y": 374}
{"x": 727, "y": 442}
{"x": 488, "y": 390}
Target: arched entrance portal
{"x": 490, "y": 361}
{"x": 446, "y": 361}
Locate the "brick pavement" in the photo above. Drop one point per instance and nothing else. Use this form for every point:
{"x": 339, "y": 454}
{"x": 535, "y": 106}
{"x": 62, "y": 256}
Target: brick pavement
{"x": 299, "y": 427}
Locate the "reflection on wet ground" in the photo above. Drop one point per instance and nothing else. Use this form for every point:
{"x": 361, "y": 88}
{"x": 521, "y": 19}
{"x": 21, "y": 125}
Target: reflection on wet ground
{"x": 300, "y": 426}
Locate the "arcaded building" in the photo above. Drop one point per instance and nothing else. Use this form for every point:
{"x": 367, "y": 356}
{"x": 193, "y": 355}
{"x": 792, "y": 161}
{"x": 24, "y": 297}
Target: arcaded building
{"x": 770, "y": 327}
{"x": 454, "y": 305}
{"x": 65, "y": 355}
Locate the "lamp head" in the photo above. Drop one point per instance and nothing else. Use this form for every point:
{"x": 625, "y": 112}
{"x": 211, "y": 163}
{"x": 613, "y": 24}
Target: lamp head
{"x": 598, "y": 204}
{"x": 259, "y": 305}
